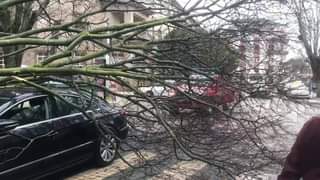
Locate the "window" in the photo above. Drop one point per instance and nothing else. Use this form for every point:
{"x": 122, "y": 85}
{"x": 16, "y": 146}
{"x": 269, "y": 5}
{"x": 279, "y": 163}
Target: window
{"x": 2, "y": 65}
{"x": 64, "y": 109}
{"x": 41, "y": 57}
{"x": 100, "y": 61}
{"x": 137, "y": 18}
{"x": 29, "y": 111}
{"x": 118, "y": 54}
{"x": 118, "y": 17}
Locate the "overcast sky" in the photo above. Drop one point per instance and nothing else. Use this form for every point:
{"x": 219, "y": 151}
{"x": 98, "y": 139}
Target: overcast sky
{"x": 183, "y": 2}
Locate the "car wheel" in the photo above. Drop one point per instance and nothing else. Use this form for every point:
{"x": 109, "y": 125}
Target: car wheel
{"x": 107, "y": 148}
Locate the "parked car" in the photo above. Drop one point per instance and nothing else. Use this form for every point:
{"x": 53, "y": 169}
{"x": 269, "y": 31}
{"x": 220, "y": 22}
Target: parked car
{"x": 41, "y": 134}
{"x": 158, "y": 89}
{"x": 215, "y": 92}
{"x": 153, "y": 90}
{"x": 297, "y": 89}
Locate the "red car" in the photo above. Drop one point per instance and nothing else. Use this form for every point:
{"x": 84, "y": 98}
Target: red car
{"x": 216, "y": 92}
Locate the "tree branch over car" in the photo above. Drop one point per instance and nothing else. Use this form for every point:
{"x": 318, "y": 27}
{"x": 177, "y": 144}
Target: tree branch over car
{"x": 192, "y": 53}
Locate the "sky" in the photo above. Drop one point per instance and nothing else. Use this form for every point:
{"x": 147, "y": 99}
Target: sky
{"x": 182, "y": 2}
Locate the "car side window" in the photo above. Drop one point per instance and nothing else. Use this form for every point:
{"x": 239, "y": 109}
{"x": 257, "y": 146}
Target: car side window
{"x": 29, "y": 111}
{"x": 63, "y": 108}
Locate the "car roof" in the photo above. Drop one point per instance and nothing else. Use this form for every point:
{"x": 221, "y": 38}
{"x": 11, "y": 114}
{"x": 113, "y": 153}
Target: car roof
{"x": 19, "y": 93}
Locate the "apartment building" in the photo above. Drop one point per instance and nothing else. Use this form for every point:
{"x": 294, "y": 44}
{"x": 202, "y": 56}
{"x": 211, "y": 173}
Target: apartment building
{"x": 262, "y": 52}
{"x": 66, "y": 11}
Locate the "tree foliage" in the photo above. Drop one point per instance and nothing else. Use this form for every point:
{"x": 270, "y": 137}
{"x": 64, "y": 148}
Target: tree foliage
{"x": 198, "y": 48}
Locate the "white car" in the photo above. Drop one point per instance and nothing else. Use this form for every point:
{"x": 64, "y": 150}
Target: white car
{"x": 158, "y": 90}
{"x": 153, "y": 90}
{"x": 298, "y": 89}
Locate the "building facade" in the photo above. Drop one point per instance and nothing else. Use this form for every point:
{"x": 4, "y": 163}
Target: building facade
{"x": 263, "y": 52}
{"x": 66, "y": 11}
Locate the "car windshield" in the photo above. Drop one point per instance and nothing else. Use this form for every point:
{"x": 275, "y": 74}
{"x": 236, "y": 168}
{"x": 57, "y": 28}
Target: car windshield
{"x": 4, "y": 103}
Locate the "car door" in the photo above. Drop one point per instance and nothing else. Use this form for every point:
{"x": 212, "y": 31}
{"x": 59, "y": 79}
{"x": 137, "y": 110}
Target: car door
{"x": 26, "y": 144}
{"x": 75, "y": 133}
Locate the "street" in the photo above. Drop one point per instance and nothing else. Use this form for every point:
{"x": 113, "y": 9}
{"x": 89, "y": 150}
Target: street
{"x": 294, "y": 114}
{"x": 119, "y": 170}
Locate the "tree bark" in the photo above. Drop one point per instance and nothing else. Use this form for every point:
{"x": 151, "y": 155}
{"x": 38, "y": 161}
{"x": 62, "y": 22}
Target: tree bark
{"x": 17, "y": 16}
{"x": 14, "y": 60}
{"x": 315, "y": 65}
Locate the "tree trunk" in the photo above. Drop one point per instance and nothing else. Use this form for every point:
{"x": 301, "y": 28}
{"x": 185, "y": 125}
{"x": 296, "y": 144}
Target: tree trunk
{"x": 14, "y": 60}
{"x": 315, "y": 66}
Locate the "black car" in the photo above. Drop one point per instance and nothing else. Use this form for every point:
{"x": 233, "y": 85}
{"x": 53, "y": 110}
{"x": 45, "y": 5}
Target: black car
{"x": 41, "y": 134}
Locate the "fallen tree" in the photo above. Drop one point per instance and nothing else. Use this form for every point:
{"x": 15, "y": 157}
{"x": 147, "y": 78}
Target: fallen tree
{"x": 236, "y": 141}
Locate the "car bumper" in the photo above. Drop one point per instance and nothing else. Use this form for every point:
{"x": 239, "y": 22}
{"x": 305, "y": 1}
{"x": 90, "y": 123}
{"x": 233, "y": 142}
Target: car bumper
{"x": 298, "y": 94}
